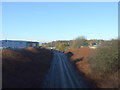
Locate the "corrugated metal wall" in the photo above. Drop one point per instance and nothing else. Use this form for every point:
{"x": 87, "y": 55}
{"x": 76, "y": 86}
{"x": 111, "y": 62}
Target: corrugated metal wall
{"x": 14, "y": 44}
{"x": 18, "y": 44}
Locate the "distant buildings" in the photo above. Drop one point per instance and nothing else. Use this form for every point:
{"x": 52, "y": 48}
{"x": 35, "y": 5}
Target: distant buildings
{"x": 17, "y": 44}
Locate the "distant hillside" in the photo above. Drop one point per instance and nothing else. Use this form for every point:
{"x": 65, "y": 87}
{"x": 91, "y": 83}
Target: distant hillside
{"x": 68, "y": 44}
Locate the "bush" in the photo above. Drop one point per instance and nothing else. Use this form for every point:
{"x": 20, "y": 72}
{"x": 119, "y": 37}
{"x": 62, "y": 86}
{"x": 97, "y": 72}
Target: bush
{"x": 105, "y": 57}
{"x": 104, "y": 61}
{"x": 61, "y": 47}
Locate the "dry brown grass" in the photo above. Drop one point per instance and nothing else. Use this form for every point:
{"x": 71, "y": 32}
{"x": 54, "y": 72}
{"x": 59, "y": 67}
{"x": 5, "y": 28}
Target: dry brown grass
{"x": 80, "y": 52}
{"x": 25, "y": 68}
{"x": 102, "y": 80}
{"x": 83, "y": 65}
{"x": 8, "y": 54}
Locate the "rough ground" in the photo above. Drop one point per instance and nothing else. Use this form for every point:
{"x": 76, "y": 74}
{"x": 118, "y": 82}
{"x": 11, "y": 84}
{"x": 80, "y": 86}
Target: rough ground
{"x": 25, "y": 68}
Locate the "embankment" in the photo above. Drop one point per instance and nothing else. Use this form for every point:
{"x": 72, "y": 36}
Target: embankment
{"x": 25, "y": 68}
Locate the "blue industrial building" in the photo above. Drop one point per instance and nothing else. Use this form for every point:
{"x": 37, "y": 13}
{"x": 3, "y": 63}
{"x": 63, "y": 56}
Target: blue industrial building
{"x": 17, "y": 44}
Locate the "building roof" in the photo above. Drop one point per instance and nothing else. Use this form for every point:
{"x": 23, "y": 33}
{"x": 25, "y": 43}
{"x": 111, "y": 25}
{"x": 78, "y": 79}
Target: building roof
{"x": 19, "y": 41}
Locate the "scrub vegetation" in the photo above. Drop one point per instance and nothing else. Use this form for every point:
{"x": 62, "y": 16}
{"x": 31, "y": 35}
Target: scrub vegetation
{"x": 101, "y": 64}
{"x": 105, "y": 66}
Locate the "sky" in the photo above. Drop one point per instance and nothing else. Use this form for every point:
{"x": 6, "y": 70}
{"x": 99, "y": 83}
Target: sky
{"x": 50, "y": 21}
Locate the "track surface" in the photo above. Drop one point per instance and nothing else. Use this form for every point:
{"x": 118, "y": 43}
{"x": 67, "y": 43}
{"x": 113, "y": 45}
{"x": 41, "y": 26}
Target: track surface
{"x": 62, "y": 74}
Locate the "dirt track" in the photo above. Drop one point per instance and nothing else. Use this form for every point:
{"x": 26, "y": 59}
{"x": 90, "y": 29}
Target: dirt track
{"x": 62, "y": 74}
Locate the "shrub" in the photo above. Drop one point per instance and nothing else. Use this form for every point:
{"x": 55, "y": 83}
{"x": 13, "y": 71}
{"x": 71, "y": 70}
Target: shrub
{"x": 105, "y": 57}
{"x": 61, "y": 47}
{"x": 104, "y": 61}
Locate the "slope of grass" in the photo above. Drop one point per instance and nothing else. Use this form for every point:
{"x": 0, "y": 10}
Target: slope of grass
{"x": 25, "y": 68}
{"x": 99, "y": 65}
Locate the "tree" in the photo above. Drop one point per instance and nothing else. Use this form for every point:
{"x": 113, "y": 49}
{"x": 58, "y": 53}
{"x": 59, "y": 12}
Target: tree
{"x": 78, "y": 42}
{"x": 61, "y": 47}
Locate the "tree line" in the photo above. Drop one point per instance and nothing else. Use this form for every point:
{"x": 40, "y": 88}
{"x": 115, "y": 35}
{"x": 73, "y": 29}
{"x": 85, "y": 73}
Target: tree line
{"x": 63, "y": 45}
